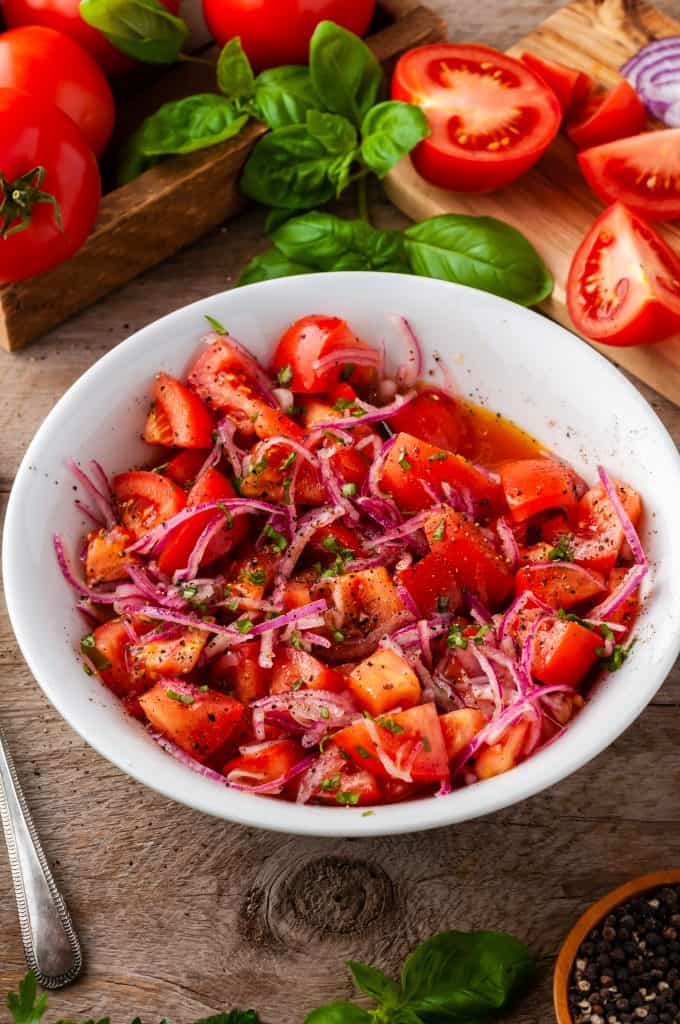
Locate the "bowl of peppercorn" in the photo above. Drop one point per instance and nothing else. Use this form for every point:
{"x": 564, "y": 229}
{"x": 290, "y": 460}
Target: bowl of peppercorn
{"x": 620, "y": 964}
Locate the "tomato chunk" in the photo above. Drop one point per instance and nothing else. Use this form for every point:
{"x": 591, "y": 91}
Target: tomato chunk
{"x": 599, "y": 534}
{"x": 607, "y": 116}
{"x": 569, "y": 85}
{"x": 272, "y": 761}
{"x": 106, "y": 558}
{"x": 366, "y": 600}
{"x": 412, "y": 740}
{"x": 178, "y": 418}
{"x": 239, "y": 671}
{"x": 560, "y": 584}
{"x": 145, "y": 499}
{"x": 185, "y": 467}
{"x": 564, "y": 652}
{"x": 535, "y": 485}
{"x": 384, "y": 681}
{"x": 343, "y": 782}
{"x": 173, "y": 657}
{"x": 312, "y": 340}
{"x": 199, "y": 722}
{"x": 211, "y": 486}
{"x": 298, "y": 670}
{"x": 627, "y": 613}
{"x": 111, "y": 641}
{"x": 459, "y": 728}
{"x": 411, "y": 463}
{"x": 432, "y": 416}
{"x": 504, "y": 755}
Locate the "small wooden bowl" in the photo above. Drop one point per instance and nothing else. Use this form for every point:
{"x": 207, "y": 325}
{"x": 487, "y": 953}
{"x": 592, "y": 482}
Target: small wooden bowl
{"x": 592, "y": 916}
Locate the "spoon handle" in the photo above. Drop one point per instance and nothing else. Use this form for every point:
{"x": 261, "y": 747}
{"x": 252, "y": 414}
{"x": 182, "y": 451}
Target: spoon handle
{"x": 50, "y": 943}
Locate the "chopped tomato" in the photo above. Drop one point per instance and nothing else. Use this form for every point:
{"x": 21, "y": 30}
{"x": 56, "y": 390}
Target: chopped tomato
{"x": 540, "y": 552}
{"x": 367, "y": 600}
{"x": 178, "y": 418}
{"x": 250, "y": 576}
{"x": 624, "y": 281}
{"x": 239, "y": 670}
{"x": 560, "y": 584}
{"x": 412, "y": 740}
{"x": 344, "y": 783}
{"x": 459, "y": 728}
{"x": 569, "y": 85}
{"x": 172, "y": 657}
{"x": 211, "y": 486}
{"x": 535, "y": 485}
{"x": 461, "y": 558}
{"x": 222, "y": 378}
{"x": 106, "y": 559}
{"x": 432, "y": 416}
{"x": 298, "y": 670}
{"x": 411, "y": 463}
{"x": 384, "y": 681}
{"x": 327, "y": 541}
{"x": 185, "y": 467}
{"x": 272, "y": 761}
{"x": 111, "y": 641}
{"x": 564, "y": 652}
{"x": 296, "y": 594}
{"x": 599, "y": 534}
{"x": 198, "y": 721}
{"x": 642, "y": 171}
{"x": 144, "y": 500}
{"x": 490, "y": 116}
{"x": 627, "y": 613}
{"x": 312, "y": 340}
{"x": 504, "y": 755}
{"x": 607, "y": 116}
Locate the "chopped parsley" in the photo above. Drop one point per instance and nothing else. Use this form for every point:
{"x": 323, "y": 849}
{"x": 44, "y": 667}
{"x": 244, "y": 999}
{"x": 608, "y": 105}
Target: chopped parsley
{"x": 563, "y": 550}
{"x": 259, "y": 467}
{"x": 227, "y": 514}
{"x": 455, "y": 638}
{"x": 204, "y": 688}
{"x": 89, "y": 647}
{"x": 297, "y": 684}
{"x": 324, "y": 713}
{"x": 403, "y": 461}
{"x": 183, "y": 698}
{"x": 231, "y": 603}
{"x": 616, "y": 659}
{"x": 343, "y": 404}
{"x": 284, "y": 376}
{"x": 391, "y": 726}
{"x": 427, "y": 746}
{"x": 286, "y": 490}
{"x": 438, "y": 457}
{"x": 478, "y": 637}
{"x": 361, "y": 751}
{"x": 256, "y": 576}
{"x": 244, "y": 625}
{"x": 438, "y": 534}
{"x": 189, "y": 592}
{"x": 332, "y": 782}
{"x": 277, "y": 540}
{"x": 296, "y": 642}
{"x": 288, "y": 461}
{"x": 347, "y": 799}
{"x": 337, "y": 635}
{"x": 216, "y": 325}
{"x": 349, "y": 490}
{"x": 159, "y": 469}
{"x": 367, "y": 814}
{"x": 347, "y": 371}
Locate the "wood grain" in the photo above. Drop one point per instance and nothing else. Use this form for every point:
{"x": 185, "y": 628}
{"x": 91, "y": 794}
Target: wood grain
{"x": 552, "y": 205}
{"x": 172, "y": 204}
{"x": 182, "y": 915}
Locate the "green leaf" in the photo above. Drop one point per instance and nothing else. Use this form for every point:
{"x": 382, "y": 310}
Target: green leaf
{"x": 284, "y": 95}
{"x": 26, "y": 1006}
{"x": 295, "y": 169}
{"x": 142, "y": 29}
{"x": 390, "y": 131}
{"x": 335, "y": 133}
{"x": 326, "y": 242}
{"x": 345, "y": 73}
{"x": 339, "y": 1013}
{"x": 275, "y": 218}
{"x": 481, "y": 252}
{"x": 374, "y": 983}
{"x": 184, "y": 126}
{"x": 270, "y": 265}
{"x": 235, "y": 76}
{"x": 462, "y": 976}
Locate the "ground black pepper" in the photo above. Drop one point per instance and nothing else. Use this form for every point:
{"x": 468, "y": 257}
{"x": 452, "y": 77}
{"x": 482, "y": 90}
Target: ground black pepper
{"x": 627, "y": 969}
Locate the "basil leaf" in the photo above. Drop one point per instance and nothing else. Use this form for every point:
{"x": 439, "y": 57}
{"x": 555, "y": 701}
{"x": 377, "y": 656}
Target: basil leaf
{"x": 294, "y": 169}
{"x": 275, "y": 218}
{"x": 481, "y": 252}
{"x": 339, "y": 1013}
{"x": 345, "y": 73}
{"x": 462, "y": 975}
{"x": 269, "y": 265}
{"x": 284, "y": 95}
{"x": 184, "y": 126}
{"x": 390, "y": 131}
{"x": 335, "y": 133}
{"x": 142, "y": 29}
{"x": 374, "y": 983}
{"x": 235, "y": 76}
{"x": 331, "y": 243}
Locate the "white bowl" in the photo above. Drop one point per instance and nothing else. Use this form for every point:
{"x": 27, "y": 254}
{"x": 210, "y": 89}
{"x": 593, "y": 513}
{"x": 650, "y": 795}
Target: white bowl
{"x": 501, "y": 355}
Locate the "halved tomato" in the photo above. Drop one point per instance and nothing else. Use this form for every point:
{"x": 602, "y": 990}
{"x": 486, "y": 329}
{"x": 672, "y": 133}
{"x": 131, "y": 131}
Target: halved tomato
{"x": 145, "y": 499}
{"x": 210, "y": 486}
{"x": 298, "y": 670}
{"x": 606, "y": 116}
{"x": 624, "y": 281}
{"x": 199, "y": 721}
{"x": 315, "y": 338}
{"x": 397, "y": 737}
{"x": 569, "y": 85}
{"x": 178, "y": 418}
{"x": 535, "y": 485}
{"x": 491, "y": 117}
{"x": 643, "y": 172}
{"x": 560, "y": 584}
{"x": 432, "y": 416}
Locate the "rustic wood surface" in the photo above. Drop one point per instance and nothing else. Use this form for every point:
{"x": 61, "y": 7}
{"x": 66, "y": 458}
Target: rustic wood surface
{"x": 552, "y": 204}
{"x": 181, "y": 915}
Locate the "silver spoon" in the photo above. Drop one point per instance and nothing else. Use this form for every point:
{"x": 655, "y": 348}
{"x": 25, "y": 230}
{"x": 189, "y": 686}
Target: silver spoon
{"x": 50, "y": 943}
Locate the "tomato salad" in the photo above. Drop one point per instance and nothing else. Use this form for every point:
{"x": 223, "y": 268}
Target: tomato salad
{"x": 343, "y": 588}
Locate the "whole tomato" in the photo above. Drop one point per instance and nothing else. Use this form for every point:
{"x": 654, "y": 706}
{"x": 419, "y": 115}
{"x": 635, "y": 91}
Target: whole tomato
{"x": 278, "y": 31}
{"x": 41, "y": 60}
{"x": 49, "y": 186}
{"x": 64, "y": 15}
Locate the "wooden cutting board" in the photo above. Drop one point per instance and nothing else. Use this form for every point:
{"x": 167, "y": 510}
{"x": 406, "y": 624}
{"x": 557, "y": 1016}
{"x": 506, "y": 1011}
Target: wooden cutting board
{"x": 552, "y": 205}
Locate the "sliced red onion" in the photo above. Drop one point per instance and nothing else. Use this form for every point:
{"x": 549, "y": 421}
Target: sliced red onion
{"x": 307, "y": 527}
{"x": 207, "y": 534}
{"x": 279, "y": 441}
{"x": 423, "y": 630}
{"x": 628, "y": 585}
{"x": 333, "y": 487}
{"x": 226, "y": 430}
{"x": 382, "y": 510}
{"x": 509, "y": 543}
{"x": 72, "y": 579}
{"x": 194, "y": 621}
{"x": 288, "y": 617}
{"x": 253, "y": 368}
{"x": 348, "y": 356}
{"x": 235, "y": 506}
{"x": 95, "y": 517}
{"x": 315, "y": 640}
{"x": 285, "y": 398}
{"x": 315, "y": 711}
{"x": 390, "y": 766}
{"x": 478, "y": 611}
{"x": 460, "y": 499}
{"x": 411, "y": 369}
{"x": 510, "y": 666}
{"x": 445, "y": 787}
{"x": 490, "y": 673}
{"x": 407, "y": 601}
{"x": 629, "y": 530}
{"x": 186, "y": 759}
{"x": 516, "y": 607}
{"x": 104, "y": 485}
{"x": 654, "y": 73}
{"x": 527, "y": 656}
{"x": 372, "y": 414}
{"x": 417, "y": 522}
{"x": 274, "y": 785}
{"x": 102, "y": 501}
{"x": 156, "y": 592}
{"x": 331, "y": 762}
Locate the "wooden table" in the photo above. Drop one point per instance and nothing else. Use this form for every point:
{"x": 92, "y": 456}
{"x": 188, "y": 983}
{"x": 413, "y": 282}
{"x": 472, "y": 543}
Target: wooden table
{"x": 181, "y": 915}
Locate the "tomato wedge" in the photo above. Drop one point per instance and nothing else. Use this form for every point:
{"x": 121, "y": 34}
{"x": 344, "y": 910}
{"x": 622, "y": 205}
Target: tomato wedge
{"x": 569, "y": 85}
{"x": 270, "y": 762}
{"x": 106, "y": 559}
{"x": 298, "y": 670}
{"x": 599, "y": 534}
{"x": 643, "y": 172}
{"x": 432, "y": 416}
{"x": 504, "y": 755}
{"x": 174, "y": 657}
{"x": 607, "y": 116}
{"x": 145, "y": 499}
{"x": 198, "y": 721}
{"x": 534, "y": 485}
{"x": 185, "y": 467}
{"x": 459, "y": 727}
{"x": 210, "y": 486}
{"x": 624, "y": 282}
{"x": 397, "y": 737}
{"x": 384, "y": 681}
{"x": 313, "y": 339}
{"x": 178, "y": 418}
{"x": 490, "y": 116}
{"x": 561, "y": 585}
{"x": 564, "y": 652}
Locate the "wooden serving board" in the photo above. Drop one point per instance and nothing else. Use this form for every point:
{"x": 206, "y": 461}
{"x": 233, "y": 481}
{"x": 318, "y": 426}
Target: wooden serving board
{"x": 552, "y": 205}
{"x": 175, "y": 202}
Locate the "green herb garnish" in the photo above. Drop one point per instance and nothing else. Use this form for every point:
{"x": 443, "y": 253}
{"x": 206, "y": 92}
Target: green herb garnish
{"x": 284, "y": 376}
{"x": 349, "y": 490}
{"x": 563, "y": 550}
{"x": 391, "y": 726}
{"x": 438, "y": 533}
{"x": 216, "y": 325}
{"x": 89, "y": 648}
{"x": 347, "y": 799}
{"x": 277, "y": 540}
{"x": 182, "y": 698}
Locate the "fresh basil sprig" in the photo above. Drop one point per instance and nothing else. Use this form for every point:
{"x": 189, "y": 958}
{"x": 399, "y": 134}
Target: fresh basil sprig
{"x": 142, "y": 29}
{"x": 480, "y": 252}
{"x": 345, "y": 73}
